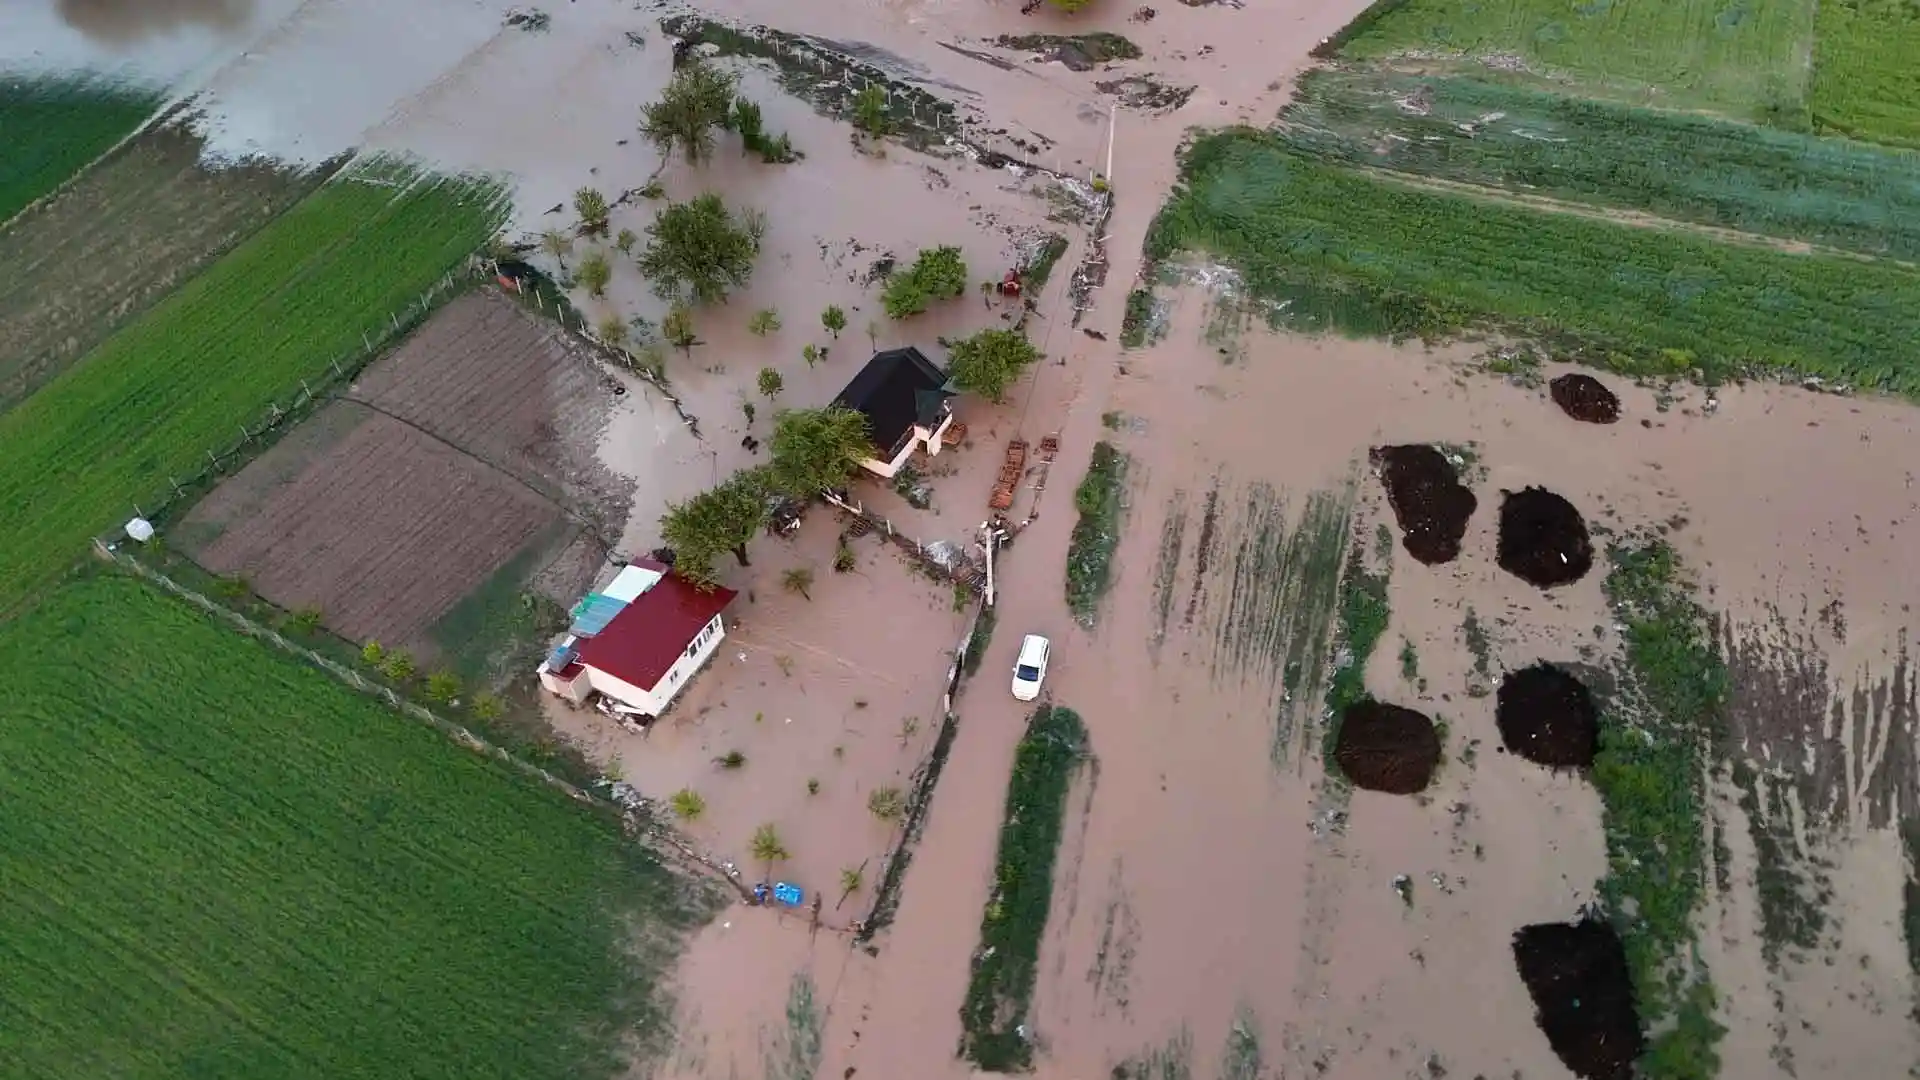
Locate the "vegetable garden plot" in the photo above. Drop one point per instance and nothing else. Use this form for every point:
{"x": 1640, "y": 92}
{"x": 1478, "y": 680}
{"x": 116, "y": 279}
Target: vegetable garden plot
{"x": 1866, "y": 83}
{"x": 261, "y": 873}
{"x": 1353, "y": 251}
{"x": 52, "y": 128}
{"x": 1731, "y": 57}
{"x": 1754, "y": 179}
{"x": 157, "y": 397}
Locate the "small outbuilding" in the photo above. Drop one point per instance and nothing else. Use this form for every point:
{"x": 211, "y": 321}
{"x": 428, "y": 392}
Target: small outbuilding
{"x": 638, "y": 641}
{"x": 907, "y": 401}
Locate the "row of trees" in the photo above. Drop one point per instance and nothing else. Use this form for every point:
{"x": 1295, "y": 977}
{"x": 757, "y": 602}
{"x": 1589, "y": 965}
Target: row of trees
{"x": 812, "y": 450}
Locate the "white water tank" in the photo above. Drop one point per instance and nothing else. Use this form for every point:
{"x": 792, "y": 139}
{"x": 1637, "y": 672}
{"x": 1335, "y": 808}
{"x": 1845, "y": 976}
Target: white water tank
{"x": 140, "y": 529}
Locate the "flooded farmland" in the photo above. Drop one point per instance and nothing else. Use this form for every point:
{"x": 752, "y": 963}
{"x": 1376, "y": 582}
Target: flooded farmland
{"x": 1301, "y": 532}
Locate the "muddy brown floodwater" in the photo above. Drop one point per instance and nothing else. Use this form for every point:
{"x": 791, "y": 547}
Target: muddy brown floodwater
{"x": 1219, "y": 910}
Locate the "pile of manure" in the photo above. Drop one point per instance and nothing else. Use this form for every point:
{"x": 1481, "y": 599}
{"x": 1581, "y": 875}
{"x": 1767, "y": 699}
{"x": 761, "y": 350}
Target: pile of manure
{"x": 1386, "y": 748}
{"x": 1429, "y": 502}
{"x": 1584, "y": 397}
{"x": 1582, "y": 994}
{"x": 1543, "y": 539}
{"x": 1547, "y": 716}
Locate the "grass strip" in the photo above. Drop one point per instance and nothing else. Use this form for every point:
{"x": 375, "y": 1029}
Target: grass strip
{"x": 1360, "y": 622}
{"x": 157, "y": 398}
{"x": 1865, "y": 83}
{"x": 978, "y": 641}
{"x": 1473, "y": 131}
{"x": 262, "y": 873}
{"x": 53, "y": 127}
{"x": 1044, "y": 259}
{"x": 1005, "y": 966}
{"x": 1336, "y": 248}
{"x": 1654, "y": 741}
{"x": 1096, "y": 535}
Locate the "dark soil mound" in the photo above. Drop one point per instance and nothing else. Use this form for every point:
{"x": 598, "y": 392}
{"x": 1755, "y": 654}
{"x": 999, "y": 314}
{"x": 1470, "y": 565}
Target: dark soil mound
{"x": 1429, "y": 502}
{"x": 1543, "y": 539}
{"x": 1576, "y": 974}
{"x": 1547, "y": 716}
{"x": 1387, "y": 748}
{"x": 1584, "y": 397}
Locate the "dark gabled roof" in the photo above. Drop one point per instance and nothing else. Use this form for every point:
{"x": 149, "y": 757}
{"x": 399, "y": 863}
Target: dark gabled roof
{"x": 896, "y": 390}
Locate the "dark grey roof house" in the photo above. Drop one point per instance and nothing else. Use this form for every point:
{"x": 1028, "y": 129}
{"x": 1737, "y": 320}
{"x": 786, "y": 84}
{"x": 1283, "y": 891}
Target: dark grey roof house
{"x": 905, "y": 399}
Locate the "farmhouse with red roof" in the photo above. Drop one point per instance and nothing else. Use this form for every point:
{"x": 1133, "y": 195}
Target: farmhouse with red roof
{"x": 638, "y": 641}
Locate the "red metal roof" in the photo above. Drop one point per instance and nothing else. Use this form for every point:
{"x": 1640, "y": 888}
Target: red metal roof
{"x": 651, "y": 632}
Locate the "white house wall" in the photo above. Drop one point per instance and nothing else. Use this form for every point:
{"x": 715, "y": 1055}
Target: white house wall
{"x": 931, "y": 441}
{"x": 654, "y": 701}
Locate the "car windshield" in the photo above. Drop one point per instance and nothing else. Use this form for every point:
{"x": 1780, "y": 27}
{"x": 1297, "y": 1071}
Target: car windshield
{"x": 1027, "y": 673}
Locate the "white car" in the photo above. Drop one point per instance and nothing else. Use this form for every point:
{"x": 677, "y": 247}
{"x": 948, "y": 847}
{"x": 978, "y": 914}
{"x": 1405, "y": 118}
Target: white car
{"x": 1030, "y": 670}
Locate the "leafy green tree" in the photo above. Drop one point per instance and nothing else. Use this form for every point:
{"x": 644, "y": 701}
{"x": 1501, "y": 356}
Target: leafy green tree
{"x": 870, "y": 111}
{"x": 593, "y": 210}
{"x": 700, "y": 248}
{"x": 811, "y": 354}
{"x": 771, "y": 383}
{"x": 834, "y": 320}
{"x": 698, "y": 100}
{"x": 443, "y": 686}
{"x": 373, "y": 652}
{"x": 613, "y": 331}
{"x": 938, "y": 273}
{"x": 687, "y": 804}
{"x": 594, "y": 274}
{"x": 765, "y": 321}
{"x": 398, "y": 665}
{"x": 677, "y": 327}
{"x": 817, "y": 449}
{"x": 725, "y": 518}
{"x": 767, "y": 846}
{"x": 990, "y": 361}
{"x": 624, "y": 242}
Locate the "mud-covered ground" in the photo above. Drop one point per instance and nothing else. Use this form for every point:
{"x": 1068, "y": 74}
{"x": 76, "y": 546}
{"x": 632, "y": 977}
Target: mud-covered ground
{"x": 1220, "y": 907}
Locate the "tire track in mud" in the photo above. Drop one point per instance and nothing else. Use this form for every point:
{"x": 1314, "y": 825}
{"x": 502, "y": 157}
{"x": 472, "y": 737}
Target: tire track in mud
{"x": 1275, "y": 622}
{"x": 1205, "y": 551}
{"x": 1112, "y": 965}
{"x": 1166, "y": 568}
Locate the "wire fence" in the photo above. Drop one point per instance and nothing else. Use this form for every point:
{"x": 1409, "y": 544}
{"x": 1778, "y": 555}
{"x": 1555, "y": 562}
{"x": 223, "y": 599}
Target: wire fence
{"x": 314, "y": 392}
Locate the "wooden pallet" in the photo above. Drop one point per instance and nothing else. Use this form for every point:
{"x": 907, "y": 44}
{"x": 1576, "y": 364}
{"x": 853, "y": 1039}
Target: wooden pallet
{"x": 1049, "y": 446}
{"x": 956, "y": 434}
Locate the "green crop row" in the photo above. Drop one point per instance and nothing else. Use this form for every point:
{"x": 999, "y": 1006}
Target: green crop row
{"x": 1649, "y": 772}
{"x": 1743, "y": 57}
{"x": 221, "y": 863}
{"x": 1760, "y": 180}
{"x": 1096, "y": 533}
{"x": 51, "y": 129}
{"x": 153, "y": 400}
{"x": 1006, "y": 965}
{"x": 1355, "y": 251}
{"x": 1866, "y": 70}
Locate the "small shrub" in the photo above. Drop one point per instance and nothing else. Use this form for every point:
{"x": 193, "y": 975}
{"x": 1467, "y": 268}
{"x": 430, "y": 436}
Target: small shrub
{"x": 687, "y": 805}
{"x": 443, "y": 686}
{"x": 372, "y": 652}
{"x": 843, "y": 559}
{"x": 813, "y": 786}
{"x": 834, "y": 319}
{"x": 398, "y": 665}
{"x": 770, "y": 382}
{"x": 887, "y": 804}
{"x": 767, "y": 846}
{"x": 765, "y": 321}
{"x": 870, "y": 113}
{"x": 623, "y": 243}
{"x": 732, "y": 759}
{"x": 487, "y": 707}
{"x": 306, "y": 620}
{"x": 811, "y": 354}
{"x": 236, "y": 587}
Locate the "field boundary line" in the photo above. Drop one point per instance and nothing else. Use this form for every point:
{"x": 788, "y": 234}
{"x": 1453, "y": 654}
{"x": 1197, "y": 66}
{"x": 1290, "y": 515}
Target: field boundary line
{"x": 635, "y": 811}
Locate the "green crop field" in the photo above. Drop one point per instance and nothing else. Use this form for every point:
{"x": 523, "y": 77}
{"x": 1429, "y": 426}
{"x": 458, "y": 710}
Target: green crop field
{"x": 118, "y": 239}
{"x": 1866, "y": 70}
{"x": 220, "y": 863}
{"x": 1739, "y": 56}
{"x": 1776, "y": 183}
{"x": 52, "y": 128}
{"x": 154, "y": 399}
{"x": 1361, "y": 253}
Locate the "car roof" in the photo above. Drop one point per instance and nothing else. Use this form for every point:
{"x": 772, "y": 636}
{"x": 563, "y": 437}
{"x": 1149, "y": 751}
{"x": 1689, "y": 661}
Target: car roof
{"x": 1030, "y": 647}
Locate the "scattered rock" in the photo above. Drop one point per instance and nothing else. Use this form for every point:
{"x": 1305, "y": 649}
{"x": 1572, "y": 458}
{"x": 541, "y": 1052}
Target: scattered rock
{"x": 1543, "y": 539}
{"x": 1584, "y": 397}
{"x": 1429, "y": 503}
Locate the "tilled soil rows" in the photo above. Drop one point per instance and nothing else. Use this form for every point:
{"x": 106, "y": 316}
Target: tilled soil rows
{"x": 1582, "y": 994}
{"x": 1585, "y": 398}
{"x": 1548, "y": 717}
{"x": 1543, "y": 539}
{"x": 1387, "y": 748}
{"x": 1429, "y": 503}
